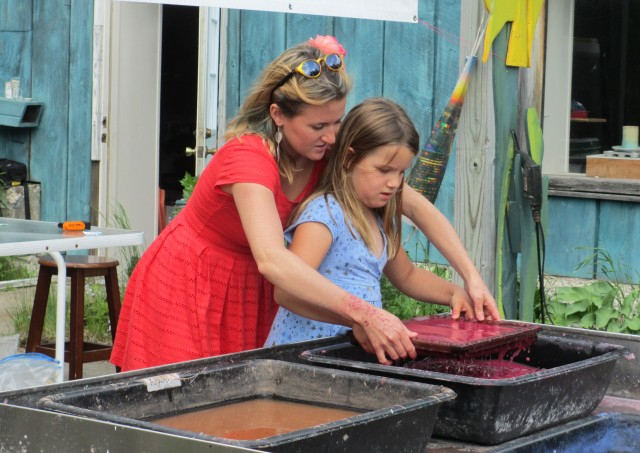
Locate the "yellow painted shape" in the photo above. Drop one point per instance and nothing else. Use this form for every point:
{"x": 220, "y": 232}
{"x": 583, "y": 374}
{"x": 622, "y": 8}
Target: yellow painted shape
{"x": 501, "y": 12}
{"x": 517, "y": 53}
{"x": 523, "y": 14}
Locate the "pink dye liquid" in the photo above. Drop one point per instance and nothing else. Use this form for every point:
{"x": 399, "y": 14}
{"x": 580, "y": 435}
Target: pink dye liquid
{"x": 463, "y": 347}
{"x": 478, "y": 368}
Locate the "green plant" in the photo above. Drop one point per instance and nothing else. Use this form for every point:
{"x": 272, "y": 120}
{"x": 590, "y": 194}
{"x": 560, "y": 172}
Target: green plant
{"x": 188, "y": 184}
{"x": 403, "y": 306}
{"x": 130, "y": 254}
{"x": 607, "y": 304}
{"x": 14, "y": 268}
{"x": 96, "y": 315}
{"x": 96, "y": 312}
{"x": 20, "y": 316}
{"x": 3, "y": 197}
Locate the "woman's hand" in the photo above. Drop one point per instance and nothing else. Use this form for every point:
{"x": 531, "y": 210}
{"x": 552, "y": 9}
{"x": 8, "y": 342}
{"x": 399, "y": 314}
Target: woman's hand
{"x": 380, "y": 332}
{"x": 361, "y": 337}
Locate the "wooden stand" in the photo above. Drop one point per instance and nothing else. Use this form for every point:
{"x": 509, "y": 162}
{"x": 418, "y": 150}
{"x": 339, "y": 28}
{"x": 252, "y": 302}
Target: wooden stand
{"x": 77, "y": 351}
{"x": 604, "y": 166}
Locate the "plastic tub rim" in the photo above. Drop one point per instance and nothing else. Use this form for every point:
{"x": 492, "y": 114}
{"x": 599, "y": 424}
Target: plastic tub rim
{"x": 444, "y": 394}
{"x": 612, "y": 355}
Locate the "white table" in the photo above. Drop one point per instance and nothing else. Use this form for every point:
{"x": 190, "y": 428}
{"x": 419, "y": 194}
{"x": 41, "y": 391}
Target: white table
{"x": 29, "y": 237}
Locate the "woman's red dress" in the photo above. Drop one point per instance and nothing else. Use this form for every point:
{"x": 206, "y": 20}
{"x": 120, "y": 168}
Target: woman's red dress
{"x": 196, "y": 292}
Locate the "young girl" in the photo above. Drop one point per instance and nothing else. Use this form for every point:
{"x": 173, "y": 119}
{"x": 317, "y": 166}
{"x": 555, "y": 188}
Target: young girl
{"x": 350, "y": 227}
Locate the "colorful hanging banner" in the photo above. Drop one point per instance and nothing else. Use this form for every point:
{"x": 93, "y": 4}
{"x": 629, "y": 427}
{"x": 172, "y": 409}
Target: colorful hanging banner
{"x": 427, "y": 172}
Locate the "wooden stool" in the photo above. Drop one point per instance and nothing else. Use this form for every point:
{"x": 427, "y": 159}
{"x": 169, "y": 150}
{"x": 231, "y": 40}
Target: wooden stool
{"x": 77, "y": 351}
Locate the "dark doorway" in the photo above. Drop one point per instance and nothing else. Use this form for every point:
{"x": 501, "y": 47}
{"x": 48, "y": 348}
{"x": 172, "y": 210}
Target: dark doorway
{"x": 604, "y": 88}
{"x": 178, "y": 97}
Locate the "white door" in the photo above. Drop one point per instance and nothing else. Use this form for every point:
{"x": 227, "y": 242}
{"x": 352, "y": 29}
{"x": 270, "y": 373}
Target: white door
{"x": 133, "y": 116}
{"x": 127, "y": 117}
{"x": 208, "y": 82}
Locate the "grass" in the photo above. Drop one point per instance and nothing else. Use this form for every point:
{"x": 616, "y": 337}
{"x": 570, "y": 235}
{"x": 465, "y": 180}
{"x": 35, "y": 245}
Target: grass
{"x": 15, "y": 268}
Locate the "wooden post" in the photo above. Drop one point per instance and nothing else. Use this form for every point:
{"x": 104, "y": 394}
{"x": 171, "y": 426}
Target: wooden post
{"x": 474, "y": 212}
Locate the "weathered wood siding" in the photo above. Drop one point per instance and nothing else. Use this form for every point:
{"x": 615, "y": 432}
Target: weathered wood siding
{"x": 579, "y": 226}
{"x": 416, "y": 65}
{"x": 47, "y": 43}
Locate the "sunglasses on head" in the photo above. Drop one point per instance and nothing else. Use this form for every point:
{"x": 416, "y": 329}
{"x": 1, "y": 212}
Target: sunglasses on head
{"x": 312, "y": 69}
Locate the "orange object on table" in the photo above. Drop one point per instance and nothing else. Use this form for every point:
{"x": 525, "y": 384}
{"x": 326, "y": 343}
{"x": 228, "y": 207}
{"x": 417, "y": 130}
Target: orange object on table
{"x": 74, "y": 225}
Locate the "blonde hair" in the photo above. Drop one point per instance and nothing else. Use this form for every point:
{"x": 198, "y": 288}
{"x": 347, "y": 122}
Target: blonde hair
{"x": 371, "y": 124}
{"x": 292, "y": 97}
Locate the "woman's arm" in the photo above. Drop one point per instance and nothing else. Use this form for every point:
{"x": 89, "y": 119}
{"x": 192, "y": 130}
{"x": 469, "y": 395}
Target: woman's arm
{"x": 261, "y": 224}
{"x": 435, "y": 226}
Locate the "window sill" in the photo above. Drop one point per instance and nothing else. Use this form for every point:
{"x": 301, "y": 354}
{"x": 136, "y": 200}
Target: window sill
{"x": 582, "y": 186}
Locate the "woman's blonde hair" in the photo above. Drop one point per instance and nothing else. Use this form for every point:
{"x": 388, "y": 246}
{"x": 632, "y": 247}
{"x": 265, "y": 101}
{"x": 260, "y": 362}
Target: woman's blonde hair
{"x": 298, "y": 92}
{"x": 371, "y": 124}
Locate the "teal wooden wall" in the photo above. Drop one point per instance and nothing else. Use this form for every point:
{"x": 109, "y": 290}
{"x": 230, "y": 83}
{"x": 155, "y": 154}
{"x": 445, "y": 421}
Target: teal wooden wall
{"x": 578, "y": 226}
{"x": 414, "y": 64}
{"x": 48, "y": 44}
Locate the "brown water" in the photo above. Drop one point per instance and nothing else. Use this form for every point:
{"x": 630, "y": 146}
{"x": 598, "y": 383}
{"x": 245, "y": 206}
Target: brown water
{"x": 254, "y": 419}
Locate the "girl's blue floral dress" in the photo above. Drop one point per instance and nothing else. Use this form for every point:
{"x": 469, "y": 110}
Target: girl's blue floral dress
{"x": 348, "y": 263}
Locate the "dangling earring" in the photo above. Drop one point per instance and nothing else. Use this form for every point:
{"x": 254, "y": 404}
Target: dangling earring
{"x": 278, "y": 138}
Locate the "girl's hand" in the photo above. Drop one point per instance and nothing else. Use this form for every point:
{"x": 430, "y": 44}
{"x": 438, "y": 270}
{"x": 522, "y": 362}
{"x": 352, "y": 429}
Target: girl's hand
{"x": 461, "y": 303}
{"x": 484, "y": 305}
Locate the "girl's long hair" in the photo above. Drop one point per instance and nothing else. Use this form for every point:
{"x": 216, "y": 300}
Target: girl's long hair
{"x": 292, "y": 97}
{"x": 374, "y": 123}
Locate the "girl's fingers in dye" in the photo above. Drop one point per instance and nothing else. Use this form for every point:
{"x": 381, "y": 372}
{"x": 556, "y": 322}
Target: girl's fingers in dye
{"x": 461, "y": 304}
{"x": 483, "y": 301}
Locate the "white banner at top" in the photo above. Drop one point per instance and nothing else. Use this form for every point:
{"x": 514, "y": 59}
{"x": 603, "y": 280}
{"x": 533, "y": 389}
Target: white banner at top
{"x": 394, "y": 10}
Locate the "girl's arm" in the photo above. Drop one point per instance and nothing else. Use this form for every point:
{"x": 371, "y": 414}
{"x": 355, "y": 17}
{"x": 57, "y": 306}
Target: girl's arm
{"x": 435, "y": 226}
{"x": 425, "y": 286}
{"x": 261, "y": 224}
{"x": 310, "y": 242}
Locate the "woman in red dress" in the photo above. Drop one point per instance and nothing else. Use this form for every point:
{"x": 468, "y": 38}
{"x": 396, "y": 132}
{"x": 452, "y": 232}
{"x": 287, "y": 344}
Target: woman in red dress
{"x": 205, "y": 286}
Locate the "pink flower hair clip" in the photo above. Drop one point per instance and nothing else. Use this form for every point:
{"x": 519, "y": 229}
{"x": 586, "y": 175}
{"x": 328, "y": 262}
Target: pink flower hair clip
{"x": 328, "y": 45}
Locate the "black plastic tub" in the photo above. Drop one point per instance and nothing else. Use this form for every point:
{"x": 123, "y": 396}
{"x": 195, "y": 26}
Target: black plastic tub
{"x": 602, "y": 433}
{"x": 394, "y": 415}
{"x": 573, "y": 381}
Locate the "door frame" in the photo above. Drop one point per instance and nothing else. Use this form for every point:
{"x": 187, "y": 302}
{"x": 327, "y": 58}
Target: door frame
{"x": 126, "y": 106}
